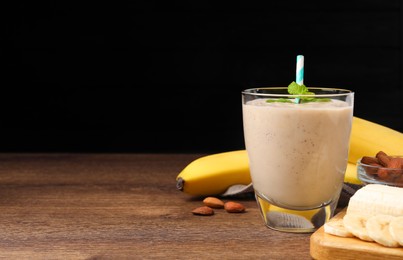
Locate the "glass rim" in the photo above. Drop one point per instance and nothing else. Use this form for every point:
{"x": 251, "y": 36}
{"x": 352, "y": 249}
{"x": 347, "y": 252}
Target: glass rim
{"x": 249, "y": 92}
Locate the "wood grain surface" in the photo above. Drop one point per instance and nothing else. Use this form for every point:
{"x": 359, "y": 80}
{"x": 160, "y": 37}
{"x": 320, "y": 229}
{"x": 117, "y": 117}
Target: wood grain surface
{"x": 123, "y": 206}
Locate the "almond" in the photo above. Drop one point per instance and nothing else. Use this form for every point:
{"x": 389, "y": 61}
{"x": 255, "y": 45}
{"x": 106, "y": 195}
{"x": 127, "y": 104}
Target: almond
{"x": 395, "y": 165}
{"x": 203, "y": 211}
{"x": 394, "y": 169}
{"x": 372, "y": 168}
{"x": 383, "y": 173}
{"x": 234, "y": 207}
{"x": 213, "y": 202}
{"x": 383, "y": 158}
{"x": 369, "y": 160}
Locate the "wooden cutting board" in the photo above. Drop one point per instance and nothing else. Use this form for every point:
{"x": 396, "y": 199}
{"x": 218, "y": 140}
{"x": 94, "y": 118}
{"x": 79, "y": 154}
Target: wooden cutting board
{"x": 326, "y": 246}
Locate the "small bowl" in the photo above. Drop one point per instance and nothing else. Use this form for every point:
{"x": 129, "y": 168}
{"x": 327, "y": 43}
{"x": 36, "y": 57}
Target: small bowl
{"x": 377, "y": 174}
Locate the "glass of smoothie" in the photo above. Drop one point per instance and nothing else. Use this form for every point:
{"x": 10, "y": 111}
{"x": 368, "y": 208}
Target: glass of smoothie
{"x": 298, "y": 150}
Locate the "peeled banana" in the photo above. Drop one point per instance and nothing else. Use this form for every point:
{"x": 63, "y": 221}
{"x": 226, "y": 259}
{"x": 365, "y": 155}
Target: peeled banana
{"x": 374, "y": 199}
{"x": 214, "y": 174}
{"x": 336, "y": 227}
{"x": 378, "y": 229}
{"x": 374, "y": 213}
{"x": 356, "y": 225}
{"x": 396, "y": 229}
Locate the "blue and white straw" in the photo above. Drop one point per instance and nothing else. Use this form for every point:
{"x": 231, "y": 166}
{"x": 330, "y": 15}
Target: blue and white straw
{"x": 299, "y": 79}
{"x": 300, "y": 70}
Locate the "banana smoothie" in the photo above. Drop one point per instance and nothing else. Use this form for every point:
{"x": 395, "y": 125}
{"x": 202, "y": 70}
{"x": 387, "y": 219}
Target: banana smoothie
{"x": 297, "y": 152}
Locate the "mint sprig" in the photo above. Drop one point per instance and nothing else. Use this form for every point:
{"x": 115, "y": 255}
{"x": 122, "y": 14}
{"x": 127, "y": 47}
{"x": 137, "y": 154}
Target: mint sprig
{"x": 296, "y": 89}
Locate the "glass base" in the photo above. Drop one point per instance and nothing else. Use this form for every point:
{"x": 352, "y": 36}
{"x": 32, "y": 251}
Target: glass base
{"x": 292, "y": 220}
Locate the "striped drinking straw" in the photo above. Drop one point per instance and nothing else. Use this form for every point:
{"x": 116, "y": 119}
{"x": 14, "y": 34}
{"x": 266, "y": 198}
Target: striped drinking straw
{"x": 300, "y": 70}
{"x": 299, "y": 74}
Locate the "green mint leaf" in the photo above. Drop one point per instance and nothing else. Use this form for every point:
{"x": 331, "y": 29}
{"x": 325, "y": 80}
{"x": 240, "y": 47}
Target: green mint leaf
{"x": 281, "y": 100}
{"x": 296, "y": 89}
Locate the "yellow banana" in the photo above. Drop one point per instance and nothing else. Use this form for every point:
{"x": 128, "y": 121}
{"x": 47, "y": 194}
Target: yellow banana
{"x": 351, "y": 174}
{"x": 214, "y": 174}
{"x": 368, "y": 138}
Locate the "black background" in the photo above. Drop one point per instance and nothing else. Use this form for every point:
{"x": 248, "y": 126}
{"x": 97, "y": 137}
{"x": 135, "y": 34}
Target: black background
{"x": 148, "y": 76}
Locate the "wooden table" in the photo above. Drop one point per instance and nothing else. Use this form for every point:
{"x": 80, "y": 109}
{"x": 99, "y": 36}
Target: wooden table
{"x": 123, "y": 206}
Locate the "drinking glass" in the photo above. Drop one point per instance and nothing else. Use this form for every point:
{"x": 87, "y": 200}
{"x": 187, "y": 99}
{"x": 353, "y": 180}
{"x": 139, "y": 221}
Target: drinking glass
{"x": 297, "y": 147}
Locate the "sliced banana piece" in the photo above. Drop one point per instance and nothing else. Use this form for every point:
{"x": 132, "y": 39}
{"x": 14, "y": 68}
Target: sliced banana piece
{"x": 378, "y": 229}
{"x": 336, "y": 227}
{"x": 396, "y": 229}
{"x": 355, "y": 224}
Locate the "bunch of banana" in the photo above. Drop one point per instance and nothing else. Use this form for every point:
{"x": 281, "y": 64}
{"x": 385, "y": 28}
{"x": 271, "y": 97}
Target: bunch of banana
{"x": 214, "y": 174}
